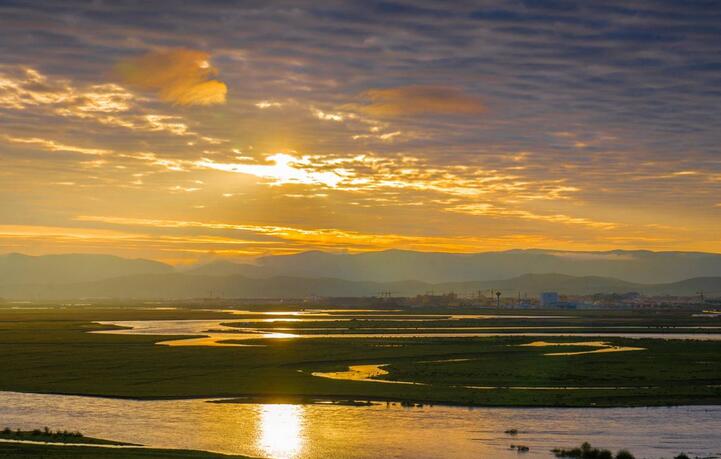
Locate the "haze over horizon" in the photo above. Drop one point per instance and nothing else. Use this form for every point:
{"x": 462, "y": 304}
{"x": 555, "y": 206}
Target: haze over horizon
{"x": 241, "y": 129}
{"x": 643, "y": 267}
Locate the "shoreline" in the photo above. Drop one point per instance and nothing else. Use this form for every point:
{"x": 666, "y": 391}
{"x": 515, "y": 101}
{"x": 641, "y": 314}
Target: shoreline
{"x": 340, "y": 400}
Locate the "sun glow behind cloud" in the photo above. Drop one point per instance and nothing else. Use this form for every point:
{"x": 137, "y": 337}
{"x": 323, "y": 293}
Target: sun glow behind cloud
{"x": 283, "y": 170}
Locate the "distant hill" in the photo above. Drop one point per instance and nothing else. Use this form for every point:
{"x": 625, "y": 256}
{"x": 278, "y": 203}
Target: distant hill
{"x": 711, "y": 286}
{"x": 228, "y": 268}
{"x": 183, "y": 286}
{"x": 398, "y": 265}
{"x": 16, "y": 268}
{"x": 179, "y": 286}
{"x": 533, "y": 284}
{"x": 366, "y": 274}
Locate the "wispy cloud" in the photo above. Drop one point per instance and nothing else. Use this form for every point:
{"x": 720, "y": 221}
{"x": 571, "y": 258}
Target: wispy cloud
{"x": 372, "y": 173}
{"x": 283, "y": 169}
{"x": 26, "y": 87}
{"x": 491, "y": 210}
{"x": 107, "y": 104}
{"x": 52, "y": 145}
{"x": 323, "y": 238}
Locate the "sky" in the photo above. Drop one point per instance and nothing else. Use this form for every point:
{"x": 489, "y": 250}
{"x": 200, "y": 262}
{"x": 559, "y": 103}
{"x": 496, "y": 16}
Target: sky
{"x": 197, "y": 130}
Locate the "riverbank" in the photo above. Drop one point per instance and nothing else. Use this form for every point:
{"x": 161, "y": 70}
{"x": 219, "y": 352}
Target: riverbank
{"x": 59, "y": 444}
{"x": 26, "y": 451}
{"x": 46, "y": 435}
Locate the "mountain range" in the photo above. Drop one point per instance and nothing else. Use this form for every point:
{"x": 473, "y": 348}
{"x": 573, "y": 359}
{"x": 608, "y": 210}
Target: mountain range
{"x": 399, "y": 265}
{"x": 17, "y": 268}
{"x": 367, "y": 274}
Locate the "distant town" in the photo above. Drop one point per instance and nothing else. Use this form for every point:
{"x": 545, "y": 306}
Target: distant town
{"x": 516, "y": 300}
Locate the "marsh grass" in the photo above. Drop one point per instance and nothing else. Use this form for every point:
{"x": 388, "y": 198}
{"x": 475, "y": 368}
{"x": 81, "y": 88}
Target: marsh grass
{"x": 53, "y": 436}
{"x": 51, "y": 351}
{"x": 586, "y": 451}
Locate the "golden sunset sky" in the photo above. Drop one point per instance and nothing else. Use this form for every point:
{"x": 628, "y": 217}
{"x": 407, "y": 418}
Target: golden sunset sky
{"x": 191, "y": 131}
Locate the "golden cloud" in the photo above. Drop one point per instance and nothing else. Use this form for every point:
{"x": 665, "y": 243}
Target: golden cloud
{"x": 419, "y": 100}
{"x": 490, "y": 210}
{"x": 283, "y": 169}
{"x": 293, "y": 239}
{"x": 107, "y": 104}
{"x": 179, "y": 76}
{"x": 51, "y": 145}
{"x": 371, "y": 174}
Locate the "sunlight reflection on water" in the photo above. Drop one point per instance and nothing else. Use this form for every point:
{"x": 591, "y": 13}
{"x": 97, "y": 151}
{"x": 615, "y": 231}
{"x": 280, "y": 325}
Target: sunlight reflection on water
{"x": 281, "y": 430}
{"x": 213, "y": 333}
{"x": 323, "y": 431}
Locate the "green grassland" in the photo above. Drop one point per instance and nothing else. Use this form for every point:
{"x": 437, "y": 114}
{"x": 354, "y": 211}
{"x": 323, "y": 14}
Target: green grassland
{"x": 50, "y": 351}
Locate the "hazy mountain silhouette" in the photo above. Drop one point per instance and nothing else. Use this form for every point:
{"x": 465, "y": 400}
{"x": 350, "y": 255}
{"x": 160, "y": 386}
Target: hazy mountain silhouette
{"x": 183, "y": 286}
{"x": 16, "y": 268}
{"x": 398, "y": 265}
{"x": 366, "y": 274}
{"x": 228, "y": 268}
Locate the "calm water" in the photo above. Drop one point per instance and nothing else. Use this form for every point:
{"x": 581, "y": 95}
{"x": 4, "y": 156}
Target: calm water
{"x": 323, "y": 431}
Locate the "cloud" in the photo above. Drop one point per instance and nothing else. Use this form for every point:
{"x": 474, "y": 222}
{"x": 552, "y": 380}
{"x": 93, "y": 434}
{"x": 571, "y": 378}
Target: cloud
{"x": 371, "y": 174}
{"x": 263, "y": 104}
{"x": 490, "y": 210}
{"x": 291, "y": 238}
{"x": 179, "y": 76}
{"x": 419, "y": 100}
{"x": 109, "y": 104}
{"x": 52, "y": 145}
{"x": 321, "y": 115}
{"x": 284, "y": 169}
{"x": 21, "y": 88}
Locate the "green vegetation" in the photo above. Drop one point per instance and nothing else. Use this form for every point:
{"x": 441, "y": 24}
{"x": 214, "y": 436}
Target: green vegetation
{"x": 52, "y": 436}
{"x": 588, "y": 452}
{"x": 50, "y": 351}
{"x": 27, "y": 451}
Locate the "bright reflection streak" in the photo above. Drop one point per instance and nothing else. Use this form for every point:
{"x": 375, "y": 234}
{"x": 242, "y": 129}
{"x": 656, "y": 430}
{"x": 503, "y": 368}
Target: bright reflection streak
{"x": 279, "y": 335}
{"x": 281, "y": 430}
